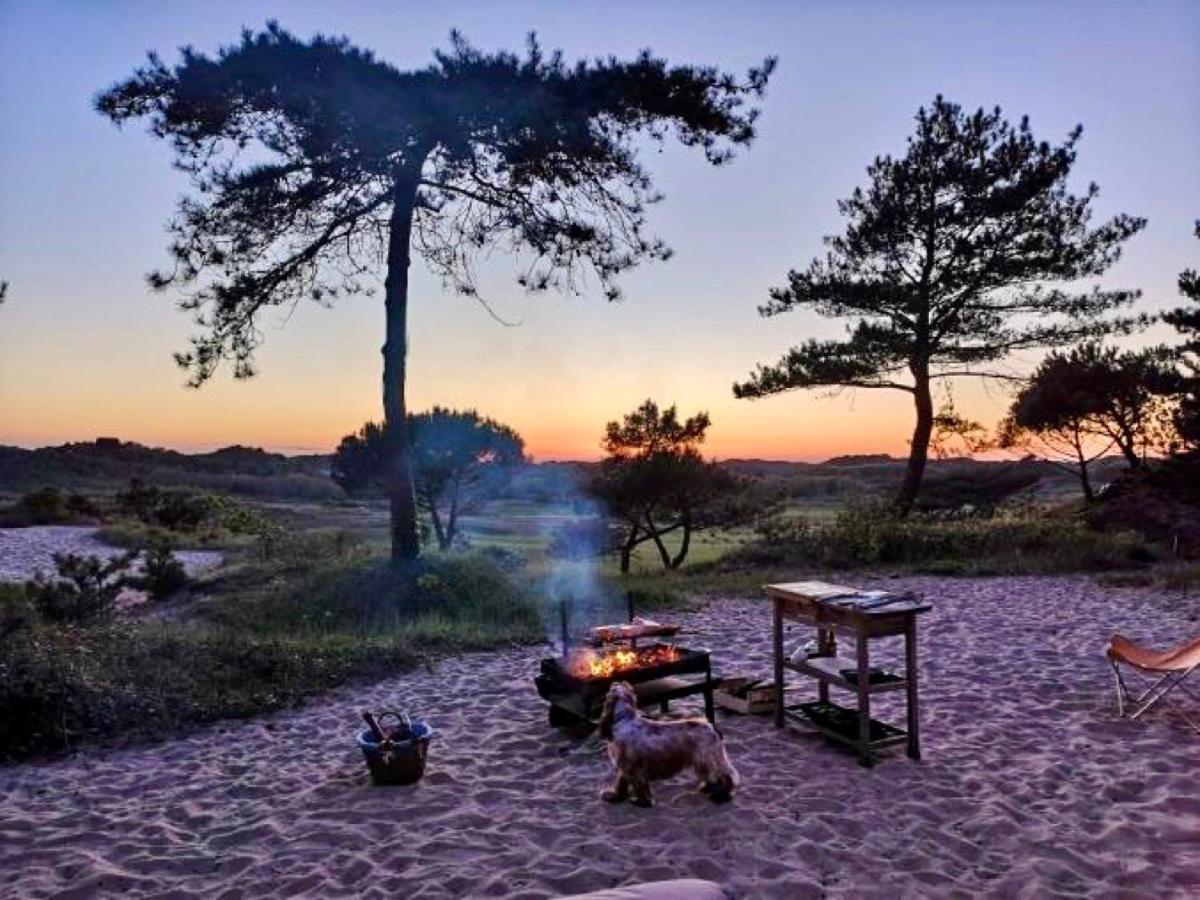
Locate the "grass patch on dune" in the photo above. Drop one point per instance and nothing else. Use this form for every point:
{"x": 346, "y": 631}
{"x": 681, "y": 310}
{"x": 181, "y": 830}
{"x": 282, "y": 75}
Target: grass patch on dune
{"x": 1012, "y": 544}
{"x": 288, "y": 618}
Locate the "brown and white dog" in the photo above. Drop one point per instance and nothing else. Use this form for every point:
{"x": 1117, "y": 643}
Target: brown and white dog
{"x": 644, "y": 750}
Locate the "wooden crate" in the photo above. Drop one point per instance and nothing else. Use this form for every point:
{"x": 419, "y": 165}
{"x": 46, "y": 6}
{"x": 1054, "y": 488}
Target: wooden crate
{"x": 759, "y": 700}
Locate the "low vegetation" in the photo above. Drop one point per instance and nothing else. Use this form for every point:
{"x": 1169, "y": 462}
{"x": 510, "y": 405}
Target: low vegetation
{"x": 290, "y": 617}
{"x": 1011, "y": 543}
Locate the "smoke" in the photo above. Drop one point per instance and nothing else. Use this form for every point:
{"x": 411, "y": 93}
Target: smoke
{"x": 578, "y": 538}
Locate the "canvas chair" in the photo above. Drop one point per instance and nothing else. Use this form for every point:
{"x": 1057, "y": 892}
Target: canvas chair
{"x": 1164, "y": 672}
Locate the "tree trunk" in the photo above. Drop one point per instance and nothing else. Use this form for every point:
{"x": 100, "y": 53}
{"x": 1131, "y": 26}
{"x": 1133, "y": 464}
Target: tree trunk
{"x": 406, "y": 544}
{"x": 683, "y": 547}
{"x": 658, "y": 542}
{"x": 918, "y": 452}
{"x": 452, "y": 522}
{"x": 627, "y": 550}
{"x": 1085, "y": 480}
{"x": 435, "y": 517}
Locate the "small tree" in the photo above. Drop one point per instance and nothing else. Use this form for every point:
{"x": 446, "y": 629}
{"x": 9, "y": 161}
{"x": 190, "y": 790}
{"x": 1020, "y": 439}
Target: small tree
{"x": 1082, "y": 403}
{"x": 654, "y": 482}
{"x": 1049, "y": 420}
{"x": 315, "y": 162}
{"x": 947, "y": 265}
{"x": 359, "y": 463}
{"x": 459, "y": 459}
{"x": 84, "y": 587}
{"x": 1186, "y": 320}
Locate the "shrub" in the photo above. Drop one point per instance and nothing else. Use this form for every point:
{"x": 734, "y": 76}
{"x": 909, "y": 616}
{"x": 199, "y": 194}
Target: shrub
{"x": 47, "y": 506}
{"x": 86, "y": 587}
{"x": 61, "y": 686}
{"x": 306, "y": 614}
{"x": 16, "y": 612}
{"x": 185, "y": 510}
{"x": 162, "y": 574}
{"x": 866, "y": 536}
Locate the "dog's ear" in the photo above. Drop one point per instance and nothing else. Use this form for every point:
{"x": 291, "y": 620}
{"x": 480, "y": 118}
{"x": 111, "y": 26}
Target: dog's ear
{"x": 606, "y": 717}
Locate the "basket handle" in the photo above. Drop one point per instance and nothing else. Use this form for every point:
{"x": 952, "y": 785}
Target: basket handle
{"x": 402, "y": 719}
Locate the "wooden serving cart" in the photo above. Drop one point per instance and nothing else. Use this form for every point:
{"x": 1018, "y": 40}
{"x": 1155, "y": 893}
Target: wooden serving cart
{"x": 816, "y": 603}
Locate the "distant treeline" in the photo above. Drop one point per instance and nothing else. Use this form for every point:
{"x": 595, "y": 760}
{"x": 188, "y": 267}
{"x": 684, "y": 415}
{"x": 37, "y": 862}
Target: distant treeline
{"x": 107, "y": 464}
{"x": 252, "y": 472}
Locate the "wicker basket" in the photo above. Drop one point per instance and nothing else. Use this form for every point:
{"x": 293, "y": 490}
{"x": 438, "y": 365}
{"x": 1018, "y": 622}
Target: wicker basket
{"x": 396, "y": 762}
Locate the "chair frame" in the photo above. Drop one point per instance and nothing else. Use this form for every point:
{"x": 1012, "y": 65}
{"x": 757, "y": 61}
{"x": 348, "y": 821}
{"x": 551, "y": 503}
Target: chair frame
{"x": 1157, "y": 692}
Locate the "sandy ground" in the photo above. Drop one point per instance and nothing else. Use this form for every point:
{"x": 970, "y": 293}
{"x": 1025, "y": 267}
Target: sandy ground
{"x": 23, "y": 551}
{"x": 1029, "y": 787}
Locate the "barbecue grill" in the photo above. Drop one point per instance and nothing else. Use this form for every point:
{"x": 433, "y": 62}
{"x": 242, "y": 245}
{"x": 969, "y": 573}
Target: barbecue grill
{"x": 576, "y": 682}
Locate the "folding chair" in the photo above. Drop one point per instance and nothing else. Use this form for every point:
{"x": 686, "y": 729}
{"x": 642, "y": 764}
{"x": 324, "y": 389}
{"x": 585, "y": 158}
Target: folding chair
{"x": 1164, "y": 672}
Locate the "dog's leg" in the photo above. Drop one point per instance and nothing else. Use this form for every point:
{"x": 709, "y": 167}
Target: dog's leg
{"x": 641, "y": 792}
{"x": 717, "y": 777}
{"x": 618, "y": 792}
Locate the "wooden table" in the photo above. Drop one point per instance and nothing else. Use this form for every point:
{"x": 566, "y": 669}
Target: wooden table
{"x": 807, "y": 602}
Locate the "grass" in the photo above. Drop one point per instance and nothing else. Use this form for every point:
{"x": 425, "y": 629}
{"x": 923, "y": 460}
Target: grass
{"x": 287, "y": 618}
{"x": 1026, "y": 542}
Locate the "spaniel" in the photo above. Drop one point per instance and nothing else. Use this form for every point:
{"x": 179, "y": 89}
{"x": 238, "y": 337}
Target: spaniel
{"x": 643, "y": 750}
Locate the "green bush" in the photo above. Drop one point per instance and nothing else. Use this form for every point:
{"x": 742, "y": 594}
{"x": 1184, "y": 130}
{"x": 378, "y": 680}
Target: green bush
{"x": 865, "y": 536}
{"x": 85, "y": 587}
{"x": 162, "y": 574}
{"x": 188, "y": 511}
{"x": 62, "y": 686}
{"x": 325, "y": 582}
{"x": 44, "y": 507}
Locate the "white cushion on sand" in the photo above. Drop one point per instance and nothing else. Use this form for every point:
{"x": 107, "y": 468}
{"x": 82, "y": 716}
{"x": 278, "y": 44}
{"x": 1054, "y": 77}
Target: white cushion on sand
{"x": 679, "y": 889}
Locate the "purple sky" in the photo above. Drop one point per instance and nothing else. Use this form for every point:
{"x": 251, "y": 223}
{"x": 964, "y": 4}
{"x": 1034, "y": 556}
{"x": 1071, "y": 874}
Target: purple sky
{"x": 85, "y": 348}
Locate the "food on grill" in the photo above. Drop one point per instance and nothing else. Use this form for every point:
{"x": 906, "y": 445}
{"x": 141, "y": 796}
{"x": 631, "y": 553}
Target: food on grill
{"x": 638, "y": 628}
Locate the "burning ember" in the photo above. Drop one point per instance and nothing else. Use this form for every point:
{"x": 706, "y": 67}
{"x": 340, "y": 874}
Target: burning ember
{"x": 584, "y": 663}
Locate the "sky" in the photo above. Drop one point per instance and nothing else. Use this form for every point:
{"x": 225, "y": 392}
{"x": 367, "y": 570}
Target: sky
{"x": 85, "y": 346}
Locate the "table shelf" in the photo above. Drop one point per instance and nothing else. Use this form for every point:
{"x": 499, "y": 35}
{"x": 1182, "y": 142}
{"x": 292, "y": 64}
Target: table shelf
{"x": 841, "y": 723}
{"x": 829, "y": 670}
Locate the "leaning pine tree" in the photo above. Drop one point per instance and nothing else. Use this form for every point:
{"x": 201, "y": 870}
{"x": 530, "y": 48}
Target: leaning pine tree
{"x": 314, "y": 163}
{"x": 955, "y": 255}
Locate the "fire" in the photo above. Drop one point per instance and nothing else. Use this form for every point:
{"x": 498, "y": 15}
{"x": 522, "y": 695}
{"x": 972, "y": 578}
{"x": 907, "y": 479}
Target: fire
{"x": 586, "y": 663}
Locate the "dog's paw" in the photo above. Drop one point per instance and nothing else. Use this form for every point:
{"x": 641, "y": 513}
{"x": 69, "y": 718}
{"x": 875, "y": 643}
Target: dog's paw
{"x": 643, "y": 802}
{"x": 608, "y": 795}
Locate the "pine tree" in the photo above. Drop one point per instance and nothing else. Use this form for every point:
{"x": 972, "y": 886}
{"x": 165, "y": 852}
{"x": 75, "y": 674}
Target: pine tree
{"x": 315, "y": 164}
{"x": 955, "y": 255}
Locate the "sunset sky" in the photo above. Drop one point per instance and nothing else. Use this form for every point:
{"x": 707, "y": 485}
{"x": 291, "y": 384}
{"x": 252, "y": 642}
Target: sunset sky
{"x": 85, "y": 347}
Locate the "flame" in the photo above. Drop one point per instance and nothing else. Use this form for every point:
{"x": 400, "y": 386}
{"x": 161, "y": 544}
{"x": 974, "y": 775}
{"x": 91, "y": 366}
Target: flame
{"x": 585, "y": 663}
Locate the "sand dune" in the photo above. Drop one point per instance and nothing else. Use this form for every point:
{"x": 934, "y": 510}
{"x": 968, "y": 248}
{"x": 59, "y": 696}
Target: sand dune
{"x": 25, "y": 551}
{"x": 1030, "y": 786}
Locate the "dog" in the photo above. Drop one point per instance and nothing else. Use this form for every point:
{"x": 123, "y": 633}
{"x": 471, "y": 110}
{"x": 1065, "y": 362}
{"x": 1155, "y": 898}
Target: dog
{"x": 643, "y": 750}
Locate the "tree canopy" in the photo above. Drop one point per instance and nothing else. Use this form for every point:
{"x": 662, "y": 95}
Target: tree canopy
{"x": 654, "y": 483}
{"x": 1186, "y": 320}
{"x": 956, "y": 254}
{"x": 1084, "y": 402}
{"x": 315, "y": 164}
{"x": 459, "y": 460}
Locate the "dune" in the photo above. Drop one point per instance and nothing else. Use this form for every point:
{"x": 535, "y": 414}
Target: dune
{"x": 1029, "y": 786}
{"x": 26, "y": 551}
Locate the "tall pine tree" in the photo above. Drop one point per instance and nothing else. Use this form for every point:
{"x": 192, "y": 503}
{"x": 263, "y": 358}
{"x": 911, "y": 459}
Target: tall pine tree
{"x": 315, "y": 164}
{"x": 956, "y": 254}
